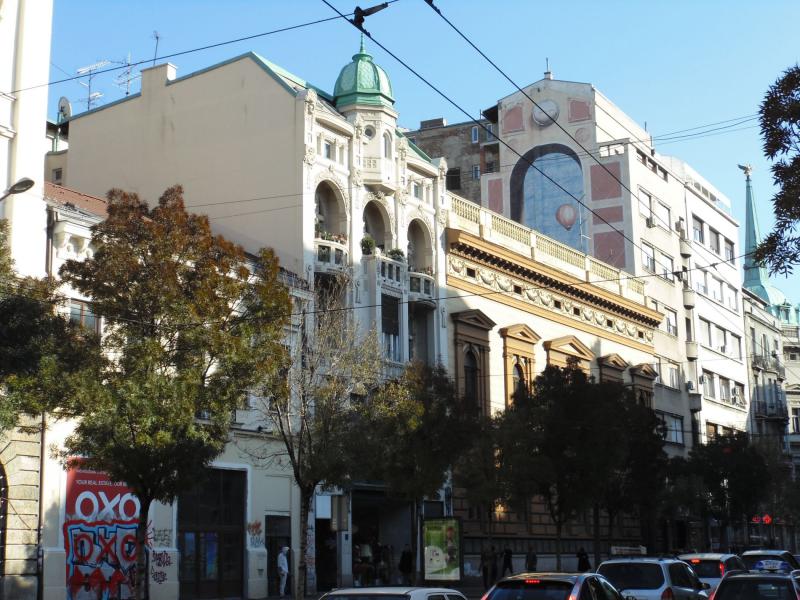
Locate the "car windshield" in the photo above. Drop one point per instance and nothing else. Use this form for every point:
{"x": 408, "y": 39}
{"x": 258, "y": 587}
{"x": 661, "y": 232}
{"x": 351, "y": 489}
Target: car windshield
{"x": 754, "y": 589}
{"x": 633, "y": 576}
{"x": 706, "y": 568}
{"x": 531, "y": 589}
{"x": 752, "y": 559}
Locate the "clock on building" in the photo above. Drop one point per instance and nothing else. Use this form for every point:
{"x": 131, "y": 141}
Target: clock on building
{"x": 546, "y": 112}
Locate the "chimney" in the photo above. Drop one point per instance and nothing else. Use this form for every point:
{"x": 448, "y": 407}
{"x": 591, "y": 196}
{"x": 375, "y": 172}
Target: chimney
{"x": 157, "y": 76}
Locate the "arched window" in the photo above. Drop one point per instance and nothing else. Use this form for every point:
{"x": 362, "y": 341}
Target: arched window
{"x": 387, "y": 145}
{"x": 518, "y": 376}
{"x": 471, "y": 378}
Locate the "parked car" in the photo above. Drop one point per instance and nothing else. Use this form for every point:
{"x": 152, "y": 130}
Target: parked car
{"x": 649, "y": 578}
{"x": 758, "y": 586}
{"x": 770, "y": 559}
{"x": 394, "y": 593}
{"x": 553, "y": 586}
{"x": 710, "y": 567}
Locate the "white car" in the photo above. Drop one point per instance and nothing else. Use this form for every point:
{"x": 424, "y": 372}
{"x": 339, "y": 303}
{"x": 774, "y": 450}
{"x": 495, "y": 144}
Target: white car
{"x": 394, "y": 593}
{"x": 710, "y": 567}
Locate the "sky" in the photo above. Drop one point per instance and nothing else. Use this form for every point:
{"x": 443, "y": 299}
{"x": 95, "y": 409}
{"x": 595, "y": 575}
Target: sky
{"x": 672, "y": 65}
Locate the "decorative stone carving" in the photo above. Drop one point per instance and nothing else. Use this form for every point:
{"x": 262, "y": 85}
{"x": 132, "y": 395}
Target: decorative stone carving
{"x": 310, "y": 101}
{"x": 356, "y": 177}
{"x": 310, "y": 156}
{"x": 441, "y": 217}
{"x": 358, "y": 125}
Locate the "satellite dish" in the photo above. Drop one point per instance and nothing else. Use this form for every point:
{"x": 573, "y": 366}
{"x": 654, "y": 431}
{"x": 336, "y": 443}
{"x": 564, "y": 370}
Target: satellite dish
{"x": 64, "y": 108}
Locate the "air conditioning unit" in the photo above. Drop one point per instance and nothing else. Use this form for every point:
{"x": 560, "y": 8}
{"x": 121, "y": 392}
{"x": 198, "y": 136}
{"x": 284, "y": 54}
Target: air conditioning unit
{"x": 650, "y": 222}
{"x": 690, "y": 386}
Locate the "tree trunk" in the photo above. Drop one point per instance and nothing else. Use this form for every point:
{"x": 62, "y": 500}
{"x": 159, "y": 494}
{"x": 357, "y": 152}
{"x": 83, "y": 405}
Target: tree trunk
{"x": 559, "y": 525}
{"x": 141, "y": 577}
{"x": 300, "y": 582}
{"x": 596, "y": 541}
{"x": 418, "y": 561}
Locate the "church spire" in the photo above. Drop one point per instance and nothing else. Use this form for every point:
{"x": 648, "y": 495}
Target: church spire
{"x": 754, "y": 275}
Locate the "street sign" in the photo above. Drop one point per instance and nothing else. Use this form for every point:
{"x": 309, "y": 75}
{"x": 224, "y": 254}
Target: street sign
{"x": 766, "y": 519}
{"x": 756, "y": 519}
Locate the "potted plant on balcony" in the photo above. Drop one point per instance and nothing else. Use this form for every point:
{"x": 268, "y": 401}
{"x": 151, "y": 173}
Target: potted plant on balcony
{"x": 396, "y": 254}
{"x": 367, "y": 244}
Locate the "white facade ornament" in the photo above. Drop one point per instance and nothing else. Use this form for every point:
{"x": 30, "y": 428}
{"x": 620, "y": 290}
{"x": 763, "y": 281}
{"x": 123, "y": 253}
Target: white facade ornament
{"x": 356, "y": 177}
{"x": 310, "y": 100}
{"x": 310, "y": 156}
{"x": 358, "y": 125}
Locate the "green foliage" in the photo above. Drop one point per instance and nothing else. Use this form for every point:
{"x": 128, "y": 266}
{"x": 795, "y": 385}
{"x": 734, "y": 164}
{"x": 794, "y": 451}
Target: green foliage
{"x": 188, "y": 328}
{"x": 780, "y": 128}
{"x": 43, "y": 356}
{"x": 367, "y": 244}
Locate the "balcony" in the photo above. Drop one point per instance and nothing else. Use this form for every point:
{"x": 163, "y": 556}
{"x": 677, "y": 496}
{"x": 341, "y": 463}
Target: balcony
{"x": 390, "y": 272}
{"x": 689, "y": 298}
{"x": 770, "y": 410}
{"x": 391, "y": 347}
{"x": 380, "y": 172}
{"x": 692, "y": 350}
{"x": 330, "y": 256}
{"x": 421, "y": 288}
{"x": 686, "y": 247}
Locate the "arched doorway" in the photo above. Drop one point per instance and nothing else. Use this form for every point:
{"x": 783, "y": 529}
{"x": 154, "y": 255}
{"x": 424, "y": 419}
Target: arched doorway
{"x": 420, "y": 248}
{"x": 376, "y": 225}
{"x": 330, "y": 216}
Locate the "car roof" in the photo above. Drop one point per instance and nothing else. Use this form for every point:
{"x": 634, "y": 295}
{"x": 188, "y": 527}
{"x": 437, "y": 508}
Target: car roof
{"x": 398, "y": 589}
{"x": 565, "y": 577}
{"x": 758, "y": 575}
{"x": 766, "y": 552}
{"x": 706, "y": 556}
{"x": 640, "y": 559}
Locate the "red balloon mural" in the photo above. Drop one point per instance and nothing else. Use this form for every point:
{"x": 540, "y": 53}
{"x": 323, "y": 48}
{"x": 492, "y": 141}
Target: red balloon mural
{"x": 566, "y": 215}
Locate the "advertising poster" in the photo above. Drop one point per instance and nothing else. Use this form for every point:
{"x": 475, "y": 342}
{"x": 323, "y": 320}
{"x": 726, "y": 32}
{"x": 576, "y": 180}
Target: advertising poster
{"x": 442, "y": 542}
{"x": 99, "y": 537}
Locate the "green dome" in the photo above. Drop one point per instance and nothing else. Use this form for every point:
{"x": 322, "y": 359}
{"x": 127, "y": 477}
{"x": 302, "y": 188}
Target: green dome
{"x": 362, "y": 82}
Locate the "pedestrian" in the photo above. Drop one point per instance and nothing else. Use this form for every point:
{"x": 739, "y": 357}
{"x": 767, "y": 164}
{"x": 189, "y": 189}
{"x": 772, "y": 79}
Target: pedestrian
{"x": 531, "y": 560}
{"x": 406, "y": 565}
{"x": 283, "y": 569}
{"x": 583, "y": 561}
{"x": 507, "y": 561}
{"x": 493, "y": 566}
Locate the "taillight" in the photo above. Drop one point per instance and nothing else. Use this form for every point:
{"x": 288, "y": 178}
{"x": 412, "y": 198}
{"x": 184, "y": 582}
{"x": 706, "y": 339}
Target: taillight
{"x": 667, "y": 594}
{"x": 721, "y": 569}
{"x": 532, "y": 581}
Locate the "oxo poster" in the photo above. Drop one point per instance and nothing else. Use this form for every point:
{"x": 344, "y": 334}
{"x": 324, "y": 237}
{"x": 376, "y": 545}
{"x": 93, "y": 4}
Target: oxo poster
{"x": 99, "y": 537}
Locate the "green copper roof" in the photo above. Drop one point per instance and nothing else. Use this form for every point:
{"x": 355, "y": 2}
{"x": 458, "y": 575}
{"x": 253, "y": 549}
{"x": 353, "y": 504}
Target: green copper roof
{"x": 363, "y": 82}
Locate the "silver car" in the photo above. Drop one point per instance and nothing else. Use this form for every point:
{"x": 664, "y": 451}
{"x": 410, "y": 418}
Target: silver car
{"x": 553, "y": 586}
{"x": 711, "y": 567}
{"x": 654, "y": 579}
{"x": 394, "y": 593}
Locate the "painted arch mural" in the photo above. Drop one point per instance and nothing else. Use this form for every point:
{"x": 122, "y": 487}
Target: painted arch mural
{"x": 538, "y": 200}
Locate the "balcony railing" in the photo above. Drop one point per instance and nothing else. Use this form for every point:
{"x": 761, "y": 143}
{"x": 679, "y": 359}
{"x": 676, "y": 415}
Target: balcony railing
{"x": 770, "y": 410}
{"x": 330, "y": 256}
{"x": 421, "y": 287}
{"x": 390, "y": 271}
{"x": 391, "y": 347}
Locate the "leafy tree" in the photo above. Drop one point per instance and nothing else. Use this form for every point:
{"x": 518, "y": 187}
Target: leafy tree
{"x": 311, "y": 407}
{"x": 188, "y": 327}
{"x": 780, "y": 128}
{"x": 42, "y": 355}
{"x": 415, "y": 428}
{"x": 734, "y": 477}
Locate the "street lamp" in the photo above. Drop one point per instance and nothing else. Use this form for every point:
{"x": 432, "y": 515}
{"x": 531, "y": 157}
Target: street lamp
{"x": 23, "y": 185}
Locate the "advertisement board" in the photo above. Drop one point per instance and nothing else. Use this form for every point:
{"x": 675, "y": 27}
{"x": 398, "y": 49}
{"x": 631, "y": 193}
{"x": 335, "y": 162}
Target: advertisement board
{"x": 441, "y": 540}
{"x": 99, "y": 536}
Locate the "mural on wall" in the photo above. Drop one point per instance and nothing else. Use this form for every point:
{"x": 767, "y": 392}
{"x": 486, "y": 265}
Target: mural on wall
{"x": 542, "y": 194}
{"x": 99, "y": 537}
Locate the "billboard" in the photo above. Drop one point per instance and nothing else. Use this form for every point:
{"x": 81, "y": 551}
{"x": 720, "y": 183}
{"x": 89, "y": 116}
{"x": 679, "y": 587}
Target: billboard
{"x": 441, "y": 539}
{"x": 99, "y": 537}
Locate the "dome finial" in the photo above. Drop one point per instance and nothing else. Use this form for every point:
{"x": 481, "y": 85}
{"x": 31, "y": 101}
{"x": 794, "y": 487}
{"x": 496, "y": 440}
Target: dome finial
{"x": 362, "y": 50}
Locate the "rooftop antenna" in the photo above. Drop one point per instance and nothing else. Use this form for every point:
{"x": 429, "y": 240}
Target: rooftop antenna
{"x": 90, "y": 71}
{"x": 156, "y": 37}
{"x": 125, "y": 78}
{"x": 548, "y": 74}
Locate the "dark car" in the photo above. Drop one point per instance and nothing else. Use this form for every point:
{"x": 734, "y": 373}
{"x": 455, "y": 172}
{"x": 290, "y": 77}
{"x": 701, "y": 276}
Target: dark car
{"x": 758, "y": 586}
{"x": 554, "y": 586}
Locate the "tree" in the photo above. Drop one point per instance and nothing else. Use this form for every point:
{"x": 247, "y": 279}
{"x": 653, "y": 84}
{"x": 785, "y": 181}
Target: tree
{"x": 188, "y": 327}
{"x": 780, "y": 127}
{"x": 331, "y": 362}
{"x": 42, "y": 354}
{"x": 415, "y": 429}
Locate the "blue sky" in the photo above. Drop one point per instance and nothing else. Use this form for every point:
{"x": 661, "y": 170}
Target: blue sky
{"x": 674, "y": 65}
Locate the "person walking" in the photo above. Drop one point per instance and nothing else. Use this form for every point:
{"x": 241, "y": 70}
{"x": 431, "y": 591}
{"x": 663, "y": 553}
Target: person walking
{"x": 583, "y": 561}
{"x": 406, "y": 565}
{"x": 283, "y": 570}
{"x": 508, "y": 557}
{"x": 531, "y": 560}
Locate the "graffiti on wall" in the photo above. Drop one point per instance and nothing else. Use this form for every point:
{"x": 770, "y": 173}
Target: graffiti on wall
{"x": 99, "y": 537}
{"x": 158, "y": 562}
{"x": 256, "y": 534}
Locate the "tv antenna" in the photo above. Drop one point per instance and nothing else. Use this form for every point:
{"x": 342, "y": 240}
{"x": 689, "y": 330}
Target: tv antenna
{"x": 90, "y": 71}
{"x": 156, "y": 37}
{"x": 124, "y": 79}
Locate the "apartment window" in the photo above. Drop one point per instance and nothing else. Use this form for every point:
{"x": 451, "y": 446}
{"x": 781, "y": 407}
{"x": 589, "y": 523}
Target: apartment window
{"x": 417, "y": 190}
{"x": 490, "y": 132}
{"x": 733, "y": 297}
{"x": 453, "y": 181}
{"x": 796, "y": 420}
{"x": 700, "y": 282}
{"x": 81, "y": 313}
{"x": 474, "y": 134}
{"x": 714, "y": 241}
{"x": 491, "y": 166}
{"x": 673, "y": 427}
{"x": 721, "y": 338}
{"x": 724, "y": 389}
{"x": 711, "y": 431}
{"x": 705, "y": 332}
{"x": 57, "y": 176}
{"x": 708, "y": 384}
{"x": 688, "y": 323}
{"x": 662, "y": 215}
{"x": 730, "y": 254}
{"x": 387, "y": 145}
{"x": 697, "y": 230}
{"x": 644, "y": 203}
{"x": 648, "y": 258}
{"x": 476, "y": 172}
{"x": 667, "y": 267}
{"x": 670, "y": 374}
{"x": 738, "y": 394}
{"x": 327, "y": 150}
{"x": 735, "y": 343}
{"x": 671, "y": 321}
{"x": 716, "y": 289}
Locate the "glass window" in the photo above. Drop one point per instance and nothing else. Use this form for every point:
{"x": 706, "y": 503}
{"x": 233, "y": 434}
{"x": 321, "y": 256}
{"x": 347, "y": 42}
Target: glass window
{"x": 680, "y": 576}
{"x": 705, "y": 332}
{"x": 648, "y": 258}
{"x": 671, "y": 375}
{"x": 774, "y": 589}
{"x": 327, "y": 150}
{"x": 720, "y": 338}
{"x": 795, "y": 420}
{"x": 735, "y": 346}
{"x": 634, "y": 575}
{"x": 489, "y": 132}
{"x": 644, "y": 203}
{"x": 474, "y": 134}
{"x": 662, "y": 215}
{"x": 697, "y": 230}
{"x": 673, "y": 427}
{"x": 700, "y": 282}
{"x": 667, "y": 267}
{"x": 81, "y": 313}
{"x": 471, "y": 378}
{"x": 531, "y": 589}
{"x": 708, "y": 385}
{"x": 476, "y": 172}
{"x": 724, "y": 388}
{"x": 730, "y": 253}
{"x": 717, "y": 289}
{"x": 733, "y": 297}
{"x": 417, "y": 189}
{"x": 714, "y": 240}
{"x": 671, "y": 321}
{"x": 453, "y": 180}
{"x": 387, "y": 145}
